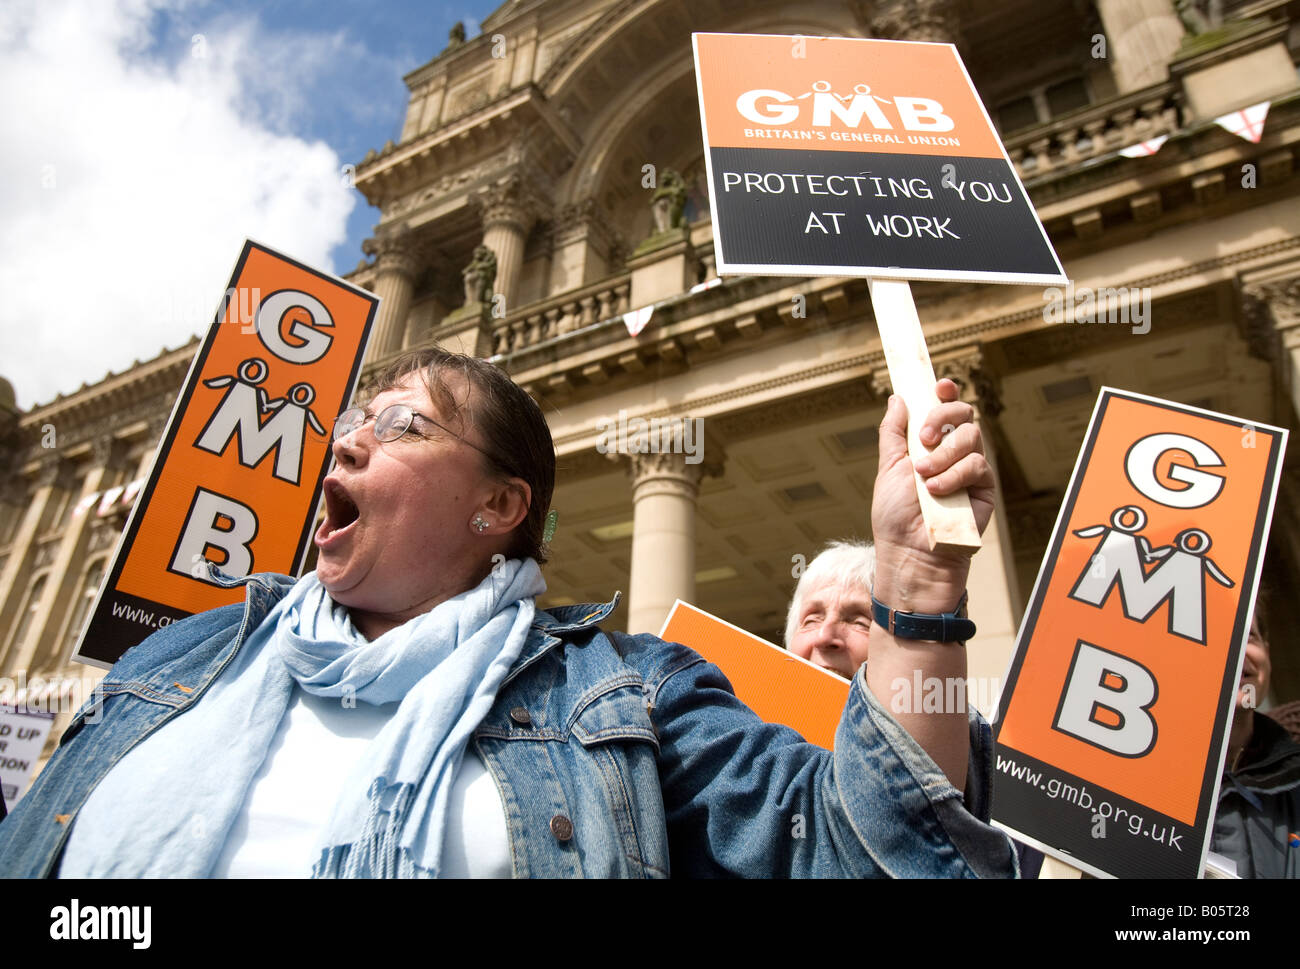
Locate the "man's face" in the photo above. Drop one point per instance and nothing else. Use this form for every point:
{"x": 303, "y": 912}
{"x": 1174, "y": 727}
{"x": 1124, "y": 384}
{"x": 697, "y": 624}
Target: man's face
{"x": 834, "y": 628}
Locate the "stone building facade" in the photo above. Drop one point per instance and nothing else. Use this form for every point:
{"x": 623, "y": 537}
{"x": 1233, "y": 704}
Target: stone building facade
{"x": 535, "y": 140}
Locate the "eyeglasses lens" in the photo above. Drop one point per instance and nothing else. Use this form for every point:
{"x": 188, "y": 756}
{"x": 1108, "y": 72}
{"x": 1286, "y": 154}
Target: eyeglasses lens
{"x": 392, "y": 423}
{"x": 347, "y": 422}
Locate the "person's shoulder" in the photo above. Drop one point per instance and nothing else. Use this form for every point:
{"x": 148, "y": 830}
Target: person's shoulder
{"x": 178, "y": 638}
{"x": 581, "y": 626}
{"x": 1274, "y": 766}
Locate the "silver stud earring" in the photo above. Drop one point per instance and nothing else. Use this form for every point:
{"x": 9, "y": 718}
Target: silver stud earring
{"x": 480, "y": 523}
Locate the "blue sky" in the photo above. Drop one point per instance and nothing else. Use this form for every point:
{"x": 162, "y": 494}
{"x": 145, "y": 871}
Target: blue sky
{"x": 145, "y": 139}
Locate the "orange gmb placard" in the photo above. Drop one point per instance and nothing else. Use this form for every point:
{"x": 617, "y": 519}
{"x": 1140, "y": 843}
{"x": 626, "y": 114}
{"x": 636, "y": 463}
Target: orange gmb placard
{"x": 238, "y": 474}
{"x": 1125, "y": 672}
{"x": 777, "y": 685}
{"x": 840, "y": 94}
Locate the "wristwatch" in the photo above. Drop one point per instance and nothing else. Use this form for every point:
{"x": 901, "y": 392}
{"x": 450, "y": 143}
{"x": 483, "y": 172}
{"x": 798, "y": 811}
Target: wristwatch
{"x": 943, "y": 627}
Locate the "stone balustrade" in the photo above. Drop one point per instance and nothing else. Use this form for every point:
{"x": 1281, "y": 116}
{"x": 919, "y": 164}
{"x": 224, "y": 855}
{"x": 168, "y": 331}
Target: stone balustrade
{"x": 1097, "y": 130}
{"x": 540, "y": 321}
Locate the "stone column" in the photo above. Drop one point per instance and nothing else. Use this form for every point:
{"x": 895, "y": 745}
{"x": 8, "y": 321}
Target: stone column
{"x": 397, "y": 261}
{"x": 1142, "y": 37}
{"x": 932, "y": 20}
{"x": 665, "y": 490}
{"x": 45, "y": 636}
{"x": 1271, "y": 317}
{"x": 508, "y": 214}
{"x": 17, "y": 575}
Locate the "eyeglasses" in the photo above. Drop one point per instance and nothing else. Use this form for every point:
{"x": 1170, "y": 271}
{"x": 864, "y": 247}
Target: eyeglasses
{"x": 391, "y": 423}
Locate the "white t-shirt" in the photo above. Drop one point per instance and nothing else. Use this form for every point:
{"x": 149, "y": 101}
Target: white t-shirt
{"x": 277, "y": 832}
{"x": 279, "y": 829}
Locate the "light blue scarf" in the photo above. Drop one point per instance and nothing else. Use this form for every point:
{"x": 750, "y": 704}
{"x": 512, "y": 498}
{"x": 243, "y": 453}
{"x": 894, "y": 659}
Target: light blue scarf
{"x": 444, "y": 666}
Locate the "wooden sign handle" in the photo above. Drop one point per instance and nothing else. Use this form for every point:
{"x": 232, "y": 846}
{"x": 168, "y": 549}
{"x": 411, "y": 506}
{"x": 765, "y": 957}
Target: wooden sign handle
{"x": 949, "y": 520}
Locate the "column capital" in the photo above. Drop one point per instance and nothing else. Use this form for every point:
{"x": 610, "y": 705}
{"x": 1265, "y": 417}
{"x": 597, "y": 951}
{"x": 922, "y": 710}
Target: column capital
{"x": 881, "y": 385}
{"x": 397, "y": 251}
{"x": 932, "y": 20}
{"x": 53, "y": 470}
{"x": 965, "y": 367}
{"x": 107, "y": 452}
{"x": 584, "y": 217}
{"x": 1267, "y": 310}
{"x": 670, "y": 472}
{"x": 511, "y": 200}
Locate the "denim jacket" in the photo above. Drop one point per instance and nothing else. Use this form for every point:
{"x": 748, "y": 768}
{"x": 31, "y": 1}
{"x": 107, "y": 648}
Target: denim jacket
{"x": 614, "y": 755}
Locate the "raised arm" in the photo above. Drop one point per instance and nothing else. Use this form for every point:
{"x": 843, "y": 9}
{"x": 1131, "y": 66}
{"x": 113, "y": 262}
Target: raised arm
{"x": 912, "y": 578}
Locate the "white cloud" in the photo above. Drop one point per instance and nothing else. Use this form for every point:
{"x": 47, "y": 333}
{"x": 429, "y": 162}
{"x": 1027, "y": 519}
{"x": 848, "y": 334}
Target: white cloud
{"x": 130, "y": 179}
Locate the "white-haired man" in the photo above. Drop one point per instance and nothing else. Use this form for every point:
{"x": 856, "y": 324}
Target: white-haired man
{"x": 829, "y": 622}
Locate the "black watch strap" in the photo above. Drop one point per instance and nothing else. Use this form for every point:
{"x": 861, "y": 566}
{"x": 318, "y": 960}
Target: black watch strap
{"x": 943, "y": 627}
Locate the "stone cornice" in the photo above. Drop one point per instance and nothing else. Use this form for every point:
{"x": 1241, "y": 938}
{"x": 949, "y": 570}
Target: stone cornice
{"x": 142, "y": 384}
{"x": 487, "y": 131}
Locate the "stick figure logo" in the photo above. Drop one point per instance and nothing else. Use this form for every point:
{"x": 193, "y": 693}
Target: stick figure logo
{"x": 1121, "y": 561}
{"x": 240, "y": 415}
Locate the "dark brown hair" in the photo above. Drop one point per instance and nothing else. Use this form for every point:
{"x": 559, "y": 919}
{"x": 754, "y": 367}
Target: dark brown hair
{"x": 515, "y": 434}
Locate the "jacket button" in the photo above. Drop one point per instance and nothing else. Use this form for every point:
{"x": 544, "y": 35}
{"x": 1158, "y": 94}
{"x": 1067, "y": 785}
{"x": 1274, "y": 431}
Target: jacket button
{"x": 520, "y": 716}
{"x": 561, "y": 827}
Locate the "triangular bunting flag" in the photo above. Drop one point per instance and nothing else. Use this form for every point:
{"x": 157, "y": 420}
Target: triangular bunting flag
{"x": 1247, "y": 123}
{"x": 635, "y": 320}
{"x": 1144, "y": 148}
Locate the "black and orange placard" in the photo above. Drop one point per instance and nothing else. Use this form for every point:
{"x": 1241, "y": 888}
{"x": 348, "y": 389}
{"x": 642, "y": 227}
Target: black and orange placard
{"x": 777, "y": 685}
{"x": 1112, "y": 727}
{"x": 237, "y": 477}
{"x": 845, "y": 156}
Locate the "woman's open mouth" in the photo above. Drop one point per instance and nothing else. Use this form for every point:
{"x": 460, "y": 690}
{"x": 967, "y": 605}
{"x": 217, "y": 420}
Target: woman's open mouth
{"x": 341, "y": 513}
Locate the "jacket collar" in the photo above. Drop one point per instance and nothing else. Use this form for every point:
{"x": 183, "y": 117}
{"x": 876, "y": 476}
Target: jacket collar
{"x": 567, "y": 619}
{"x": 549, "y": 625}
{"x": 273, "y": 582}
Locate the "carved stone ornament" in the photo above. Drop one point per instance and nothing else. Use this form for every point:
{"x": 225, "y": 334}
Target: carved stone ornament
{"x": 977, "y": 385}
{"x": 1268, "y": 308}
{"x": 394, "y": 252}
{"x": 880, "y": 383}
{"x": 107, "y": 452}
{"x": 665, "y": 472}
{"x": 668, "y": 204}
{"x": 508, "y": 201}
{"x": 932, "y": 20}
{"x": 480, "y": 276}
{"x": 575, "y": 216}
{"x": 1199, "y": 16}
